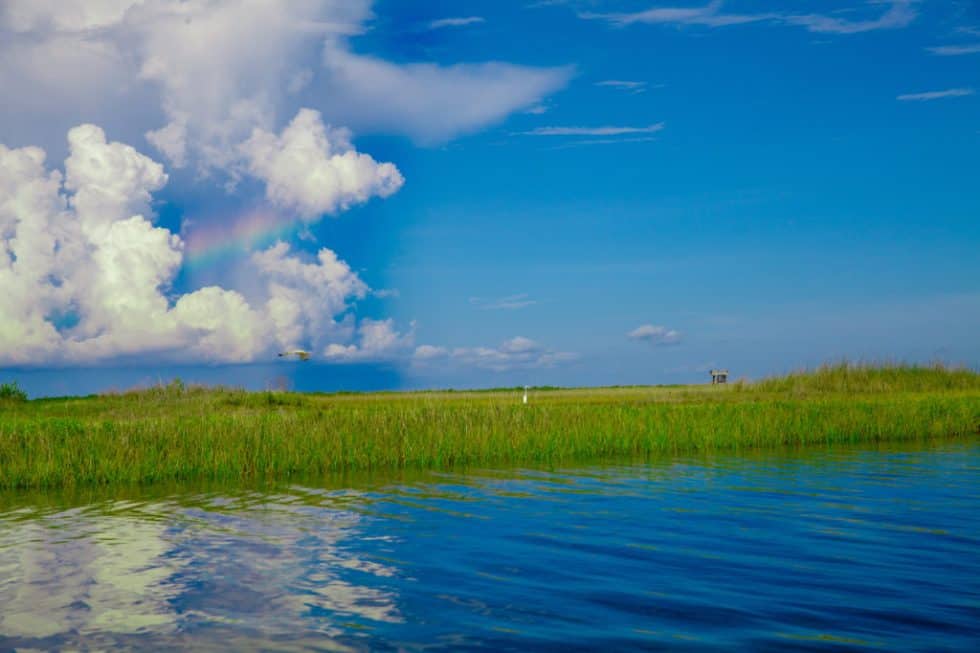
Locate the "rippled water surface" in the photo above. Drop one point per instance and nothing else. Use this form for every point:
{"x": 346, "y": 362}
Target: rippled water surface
{"x": 842, "y": 549}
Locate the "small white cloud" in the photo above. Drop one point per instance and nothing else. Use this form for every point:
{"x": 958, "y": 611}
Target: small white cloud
{"x": 516, "y": 353}
{"x": 378, "y": 341}
{"x": 655, "y": 335}
{"x": 603, "y": 141}
{"x": 456, "y": 22}
{"x": 593, "y": 131}
{"x": 509, "y": 303}
{"x": 708, "y": 15}
{"x": 519, "y": 345}
{"x": 935, "y": 95}
{"x": 538, "y": 4}
{"x": 955, "y": 50}
{"x": 315, "y": 170}
{"x": 623, "y": 85}
{"x": 537, "y": 110}
{"x": 429, "y": 352}
{"x": 900, "y": 13}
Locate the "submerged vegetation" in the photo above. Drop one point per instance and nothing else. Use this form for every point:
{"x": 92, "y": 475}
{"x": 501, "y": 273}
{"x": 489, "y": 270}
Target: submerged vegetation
{"x": 178, "y": 432}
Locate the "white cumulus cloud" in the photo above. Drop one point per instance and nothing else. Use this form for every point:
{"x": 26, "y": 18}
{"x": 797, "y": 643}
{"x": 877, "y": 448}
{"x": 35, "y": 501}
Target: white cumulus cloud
{"x": 84, "y": 270}
{"x": 86, "y": 276}
{"x": 305, "y": 298}
{"x": 219, "y": 86}
{"x": 225, "y": 67}
{"x": 315, "y": 170}
{"x": 198, "y": 76}
{"x": 110, "y": 181}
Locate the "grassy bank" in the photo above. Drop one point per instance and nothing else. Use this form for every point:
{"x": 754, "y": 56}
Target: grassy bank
{"x": 175, "y": 432}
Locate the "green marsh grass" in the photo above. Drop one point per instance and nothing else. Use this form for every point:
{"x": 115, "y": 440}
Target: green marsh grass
{"x": 175, "y": 432}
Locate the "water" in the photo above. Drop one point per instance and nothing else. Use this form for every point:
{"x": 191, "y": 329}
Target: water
{"x": 817, "y": 550}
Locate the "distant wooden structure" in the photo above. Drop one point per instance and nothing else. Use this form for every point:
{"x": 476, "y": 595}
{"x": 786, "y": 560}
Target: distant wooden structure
{"x": 719, "y": 376}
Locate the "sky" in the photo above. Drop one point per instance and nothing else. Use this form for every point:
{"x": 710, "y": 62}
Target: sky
{"x": 483, "y": 193}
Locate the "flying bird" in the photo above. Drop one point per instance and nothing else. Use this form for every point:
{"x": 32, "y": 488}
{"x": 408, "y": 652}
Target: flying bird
{"x": 300, "y": 354}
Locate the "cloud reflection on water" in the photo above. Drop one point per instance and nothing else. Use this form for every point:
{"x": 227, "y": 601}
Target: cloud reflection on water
{"x": 760, "y": 550}
{"x": 162, "y": 568}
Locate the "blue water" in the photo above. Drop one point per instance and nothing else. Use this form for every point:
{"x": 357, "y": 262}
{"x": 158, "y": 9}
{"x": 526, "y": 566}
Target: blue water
{"x": 816, "y": 550}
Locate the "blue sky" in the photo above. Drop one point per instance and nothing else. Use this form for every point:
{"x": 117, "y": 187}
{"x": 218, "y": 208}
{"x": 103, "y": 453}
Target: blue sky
{"x": 557, "y": 192}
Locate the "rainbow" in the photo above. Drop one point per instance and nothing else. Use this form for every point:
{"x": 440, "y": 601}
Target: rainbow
{"x": 207, "y": 243}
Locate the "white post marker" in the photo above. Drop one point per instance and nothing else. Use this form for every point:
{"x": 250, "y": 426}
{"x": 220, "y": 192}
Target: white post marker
{"x": 525, "y": 394}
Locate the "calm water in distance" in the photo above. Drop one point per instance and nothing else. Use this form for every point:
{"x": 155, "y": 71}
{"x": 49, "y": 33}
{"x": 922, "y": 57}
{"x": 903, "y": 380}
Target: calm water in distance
{"x": 843, "y": 549}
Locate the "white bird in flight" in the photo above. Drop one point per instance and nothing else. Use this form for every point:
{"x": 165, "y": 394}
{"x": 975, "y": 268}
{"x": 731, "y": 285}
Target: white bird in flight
{"x": 300, "y": 354}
